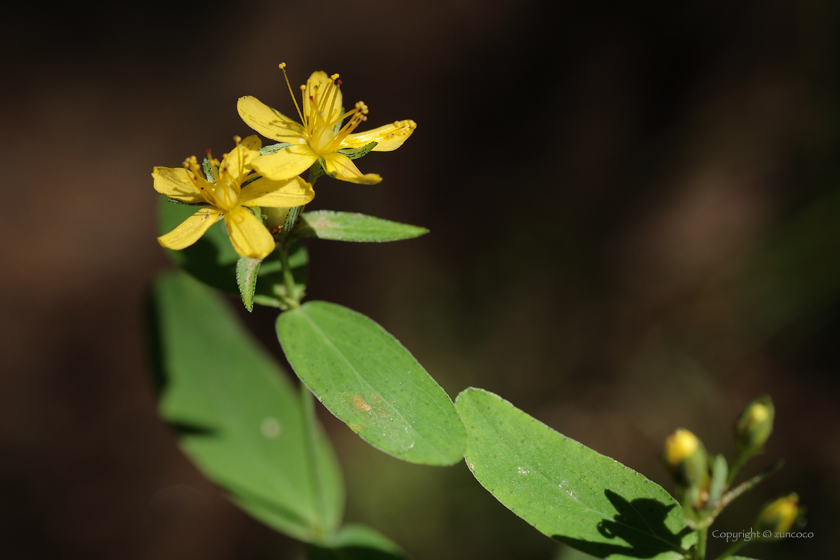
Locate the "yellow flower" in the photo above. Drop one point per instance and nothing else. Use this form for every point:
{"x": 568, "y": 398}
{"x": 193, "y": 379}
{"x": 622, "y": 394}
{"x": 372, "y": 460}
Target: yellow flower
{"x": 229, "y": 198}
{"x": 321, "y": 134}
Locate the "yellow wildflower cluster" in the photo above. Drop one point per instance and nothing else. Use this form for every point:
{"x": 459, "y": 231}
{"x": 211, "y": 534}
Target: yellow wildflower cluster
{"x": 245, "y": 178}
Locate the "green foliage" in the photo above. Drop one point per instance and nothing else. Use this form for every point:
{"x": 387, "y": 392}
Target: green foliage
{"x": 566, "y": 490}
{"x": 236, "y": 415}
{"x": 344, "y": 226}
{"x": 213, "y": 261}
{"x": 370, "y": 381}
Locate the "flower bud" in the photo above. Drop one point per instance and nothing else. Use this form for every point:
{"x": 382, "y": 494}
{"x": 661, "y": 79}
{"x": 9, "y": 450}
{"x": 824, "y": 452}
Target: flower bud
{"x": 686, "y": 459}
{"x": 754, "y": 425}
{"x": 779, "y": 516}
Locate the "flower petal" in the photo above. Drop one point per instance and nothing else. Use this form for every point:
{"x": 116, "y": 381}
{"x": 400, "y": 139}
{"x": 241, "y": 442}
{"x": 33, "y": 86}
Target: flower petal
{"x": 252, "y": 142}
{"x": 249, "y": 237}
{"x": 269, "y": 122}
{"x": 190, "y": 229}
{"x": 176, "y": 183}
{"x": 277, "y": 194}
{"x": 285, "y": 164}
{"x": 389, "y": 137}
{"x": 319, "y": 82}
{"x": 238, "y": 162}
{"x": 345, "y": 170}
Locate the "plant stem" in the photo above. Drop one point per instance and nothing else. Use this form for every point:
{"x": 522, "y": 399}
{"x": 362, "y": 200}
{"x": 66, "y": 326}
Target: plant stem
{"x": 739, "y": 461}
{"x": 736, "y": 546}
{"x": 292, "y": 299}
{"x": 727, "y": 498}
{"x": 702, "y": 538}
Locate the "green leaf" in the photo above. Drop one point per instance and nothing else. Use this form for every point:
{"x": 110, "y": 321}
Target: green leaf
{"x": 357, "y": 542}
{"x": 236, "y": 415}
{"x": 344, "y": 226}
{"x": 368, "y": 379}
{"x": 212, "y": 259}
{"x": 356, "y": 153}
{"x": 246, "y": 278}
{"x": 565, "y": 490}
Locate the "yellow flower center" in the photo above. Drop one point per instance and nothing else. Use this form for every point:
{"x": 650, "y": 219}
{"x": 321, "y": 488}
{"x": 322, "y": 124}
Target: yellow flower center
{"x": 224, "y": 193}
{"x": 322, "y": 119}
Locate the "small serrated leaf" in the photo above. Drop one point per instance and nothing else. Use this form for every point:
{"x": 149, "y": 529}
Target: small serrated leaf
{"x": 356, "y": 153}
{"x": 345, "y": 226}
{"x": 246, "y": 278}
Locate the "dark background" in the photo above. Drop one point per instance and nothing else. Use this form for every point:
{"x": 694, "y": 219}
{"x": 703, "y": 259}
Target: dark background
{"x": 635, "y": 217}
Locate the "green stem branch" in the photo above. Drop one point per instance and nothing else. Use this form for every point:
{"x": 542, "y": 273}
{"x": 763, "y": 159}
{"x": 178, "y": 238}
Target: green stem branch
{"x": 292, "y": 299}
{"x": 702, "y": 538}
{"x": 736, "y": 546}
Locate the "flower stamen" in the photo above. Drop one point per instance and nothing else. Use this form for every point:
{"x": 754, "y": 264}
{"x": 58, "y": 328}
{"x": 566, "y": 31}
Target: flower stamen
{"x": 283, "y": 68}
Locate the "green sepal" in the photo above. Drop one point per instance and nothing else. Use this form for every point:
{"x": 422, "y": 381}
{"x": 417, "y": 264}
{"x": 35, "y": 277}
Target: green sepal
{"x": 720, "y": 472}
{"x": 345, "y": 226}
{"x": 209, "y": 173}
{"x": 356, "y": 153}
{"x": 273, "y": 148}
{"x": 182, "y": 203}
{"x": 337, "y": 127}
{"x": 317, "y": 170}
{"x": 246, "y": 277}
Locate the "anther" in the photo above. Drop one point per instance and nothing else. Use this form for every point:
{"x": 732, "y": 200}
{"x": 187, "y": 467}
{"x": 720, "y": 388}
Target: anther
{"x": 237, "y": 139}
{"x": 282, "y": 66}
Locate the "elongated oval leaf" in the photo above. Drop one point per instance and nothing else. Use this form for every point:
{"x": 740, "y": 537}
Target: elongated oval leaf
{"x": 565, "y": 490}
{"x": 344, "y": 226}
{"x": 368, "y": 379}
{"x": 236, "y": 415}
{"x": 212, "y": 260}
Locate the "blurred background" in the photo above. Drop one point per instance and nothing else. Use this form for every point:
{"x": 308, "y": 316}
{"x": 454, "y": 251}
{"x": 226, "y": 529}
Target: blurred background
{"x": 635, "y": 226}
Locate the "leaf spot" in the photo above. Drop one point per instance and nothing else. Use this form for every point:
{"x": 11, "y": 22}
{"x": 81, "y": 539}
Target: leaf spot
{"x": 520, "y": 470}
{"x": 270, "y": 428}
{"x": 360, "y": 403}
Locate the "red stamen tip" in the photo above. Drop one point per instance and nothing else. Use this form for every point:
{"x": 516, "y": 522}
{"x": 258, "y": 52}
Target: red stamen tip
{"x": 208, "y": 150}
{"x": 339, "y": 82}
